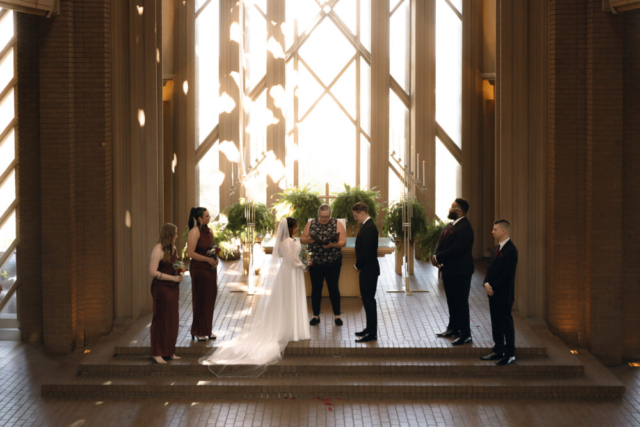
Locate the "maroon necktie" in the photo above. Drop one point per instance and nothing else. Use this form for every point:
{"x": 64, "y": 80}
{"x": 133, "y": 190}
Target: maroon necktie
{"x": 444, "y": 233}
{"x": 495, "y": 253}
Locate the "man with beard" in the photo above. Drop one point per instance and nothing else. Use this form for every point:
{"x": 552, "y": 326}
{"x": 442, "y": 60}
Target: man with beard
{"x": 453, "y": 257}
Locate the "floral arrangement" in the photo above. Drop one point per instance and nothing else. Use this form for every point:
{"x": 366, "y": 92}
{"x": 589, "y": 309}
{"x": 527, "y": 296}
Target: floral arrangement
{"x": 179, "y": 267}
{"x": 214, "y": 252}
{"x": 305, "y": 257}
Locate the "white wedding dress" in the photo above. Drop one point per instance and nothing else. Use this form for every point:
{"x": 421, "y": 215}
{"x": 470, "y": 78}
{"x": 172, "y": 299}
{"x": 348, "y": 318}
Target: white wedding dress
{"x": 279, "y": 316}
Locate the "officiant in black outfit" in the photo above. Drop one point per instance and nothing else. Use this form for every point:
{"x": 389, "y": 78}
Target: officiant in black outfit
{"x": 326, "y": 237}
{"x": 453, "y": 257}
{"x": 500, "y": 286}
{"x": 369, "y": 269}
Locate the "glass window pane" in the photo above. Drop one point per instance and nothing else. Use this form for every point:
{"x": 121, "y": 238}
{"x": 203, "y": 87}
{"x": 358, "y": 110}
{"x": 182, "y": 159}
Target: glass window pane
{"x": 365, "y": 96}
{"x": 309, "y": 90}
{"x": 347, "y": 11}
{"x": 365, "y": 24}
{"x": 327, "y": 51}
{"x": 6, "y": 29}
{"x": 457, "y": 4}
{"x": 255, "y": 47}
{"x": 393, "y": 4}
{"x": 8, "y": 232}
{"x": 327, "y": 153}
{"x": 449, "y": 71}
{"x": 7, "y": 151}
{"x": 207, "y": 71}
{"x": 6, "y": 69}
{"x": 400, "y": 42}
{"x": 8, "y": 277}
{"x": 7, "y": 110}
{"x": 365, "y": 161}
{"x": 398, "y": 126}
{"x": 258, "y": 117}
{"x": 299, "y": 15}
{"x": 345, "y": 90}
{"x": 396, "y": 188}
{"x": 210, "y": 178}
{"x": 7, "y": 192}
{"x": 448, "y": 180}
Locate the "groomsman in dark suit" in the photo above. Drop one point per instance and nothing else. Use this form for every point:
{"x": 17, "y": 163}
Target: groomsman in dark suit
{"x": 500, "y": 286}
{"x": 369, "y": 269}
{"x": 453, "y": 257}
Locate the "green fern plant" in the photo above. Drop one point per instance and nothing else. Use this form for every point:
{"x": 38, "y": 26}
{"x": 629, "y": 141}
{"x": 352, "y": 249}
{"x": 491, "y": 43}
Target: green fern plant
{"x": 344, "y": 201}
{"x": 237, "y": 225}
{"x": 429, "y": 238}
{"x": 299, "y": 203}
{"x": 393, "y": 220}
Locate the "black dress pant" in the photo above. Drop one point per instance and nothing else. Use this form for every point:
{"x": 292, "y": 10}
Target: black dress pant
{"x": 331, "y": 273}
{"x": 456, "y": 288}
{"x": 504, "y": 334}
{"x": 368, "y": 286}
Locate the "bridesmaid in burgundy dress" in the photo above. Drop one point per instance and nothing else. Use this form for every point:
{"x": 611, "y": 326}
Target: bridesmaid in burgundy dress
{"x": 204, "y": 280}
{"x": 165, "y": 290}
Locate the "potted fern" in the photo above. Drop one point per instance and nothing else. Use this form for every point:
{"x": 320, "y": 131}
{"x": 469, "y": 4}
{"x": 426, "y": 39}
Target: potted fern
{"x": 344, "y": 201}
{"x": 237, "y": 225}
{"x": 429, "y": 238}
{"x": 299, "y": 203}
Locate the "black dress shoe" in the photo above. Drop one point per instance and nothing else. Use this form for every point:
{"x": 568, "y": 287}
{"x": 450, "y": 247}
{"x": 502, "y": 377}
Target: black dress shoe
{"x": 314, "y": 321}
{"x": 507, "y": 360}
{"x": 361, "y": 333}
{"x": 338, "y": 321}
{"x": 492, "y": 356}
{"x": 448, "y": 334}
{"x": 462, "y": 340}
{"x": 367, "y": 338}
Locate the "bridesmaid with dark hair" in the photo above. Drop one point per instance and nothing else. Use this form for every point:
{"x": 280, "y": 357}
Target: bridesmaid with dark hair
{"x": 204, "y": 280}
{"x": 165, "y": 290}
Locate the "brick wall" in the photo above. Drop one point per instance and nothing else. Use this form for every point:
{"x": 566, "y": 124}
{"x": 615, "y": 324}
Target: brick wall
{"x": 631, "y": 186}
{"x": 68, "y": 98}
{"x": 28, "y": 151}
{"x": 593, "y": 178}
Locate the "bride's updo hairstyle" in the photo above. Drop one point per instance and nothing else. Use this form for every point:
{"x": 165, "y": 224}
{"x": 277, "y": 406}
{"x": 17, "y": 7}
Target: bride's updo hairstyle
{"x": 291, "y": 224}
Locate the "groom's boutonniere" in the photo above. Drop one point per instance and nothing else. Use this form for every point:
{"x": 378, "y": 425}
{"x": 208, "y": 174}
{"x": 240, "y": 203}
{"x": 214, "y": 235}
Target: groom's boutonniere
{"x": 500, "y": 255}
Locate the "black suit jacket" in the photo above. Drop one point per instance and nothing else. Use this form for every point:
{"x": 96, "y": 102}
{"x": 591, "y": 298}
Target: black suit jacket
{"x": 367, "y": 250}
{"x": 454, "y": 249}
{"x": 501, "y": 274}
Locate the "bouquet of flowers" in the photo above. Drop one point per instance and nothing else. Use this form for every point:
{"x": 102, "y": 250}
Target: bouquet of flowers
{"x": 305, "y": 257}
{"x": 214, "y": 252}
{"x": 179, "y": 267}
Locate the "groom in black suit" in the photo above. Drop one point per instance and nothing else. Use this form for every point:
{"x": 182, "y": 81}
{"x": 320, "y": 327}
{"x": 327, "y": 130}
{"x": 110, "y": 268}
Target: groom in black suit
{"x": 453, "y": 257}
{"x": 500, "y": 286}
{"x": 369, "y": 269}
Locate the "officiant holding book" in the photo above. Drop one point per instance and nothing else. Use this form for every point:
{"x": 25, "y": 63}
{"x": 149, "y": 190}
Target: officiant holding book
{"x": 326, "y": 237}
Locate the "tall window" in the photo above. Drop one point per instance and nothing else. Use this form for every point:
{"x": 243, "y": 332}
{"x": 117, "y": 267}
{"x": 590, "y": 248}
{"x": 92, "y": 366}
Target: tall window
{"x": 8, "y": 160}
{"x": 208, "y": 176}
{"x": 448, "y": 104}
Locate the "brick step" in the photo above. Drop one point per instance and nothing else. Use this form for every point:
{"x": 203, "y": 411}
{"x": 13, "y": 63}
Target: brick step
{"x": 211, "y": 387}
{"x": 342, "y": 366}
{"x": 348, "y": 348}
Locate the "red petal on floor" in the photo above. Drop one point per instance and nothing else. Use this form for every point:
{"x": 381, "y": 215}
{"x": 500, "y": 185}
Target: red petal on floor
{"x": 331, "y": 409}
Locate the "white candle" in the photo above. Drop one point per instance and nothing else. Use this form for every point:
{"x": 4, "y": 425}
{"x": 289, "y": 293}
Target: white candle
{"x": 423, "y": 167}
{"x": 418, "y": 166}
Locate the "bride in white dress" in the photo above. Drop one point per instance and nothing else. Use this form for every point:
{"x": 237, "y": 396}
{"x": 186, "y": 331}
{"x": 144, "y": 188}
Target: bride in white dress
{"x": 279, "y": 316}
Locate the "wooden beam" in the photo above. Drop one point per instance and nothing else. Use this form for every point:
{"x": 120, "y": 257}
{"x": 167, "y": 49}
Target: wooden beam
{"x": 616, "y": 6}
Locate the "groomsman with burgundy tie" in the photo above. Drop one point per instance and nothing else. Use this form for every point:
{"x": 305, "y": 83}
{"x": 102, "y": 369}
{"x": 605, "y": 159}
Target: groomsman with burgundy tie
{"x": 453, "y": 257}
{"x": 500, "y": 287}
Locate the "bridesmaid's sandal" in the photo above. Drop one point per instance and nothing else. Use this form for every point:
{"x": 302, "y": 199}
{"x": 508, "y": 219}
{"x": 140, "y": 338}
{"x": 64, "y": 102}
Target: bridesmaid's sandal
{"x": 195, "y": 338}
{"x": 159, "y": 360}
{"x": 212, "y": 337}
{"x": 174, "y": 357}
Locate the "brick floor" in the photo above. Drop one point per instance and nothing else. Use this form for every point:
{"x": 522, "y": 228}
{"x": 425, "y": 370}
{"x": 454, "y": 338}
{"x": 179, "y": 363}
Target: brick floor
{"x": 24, "y": 367}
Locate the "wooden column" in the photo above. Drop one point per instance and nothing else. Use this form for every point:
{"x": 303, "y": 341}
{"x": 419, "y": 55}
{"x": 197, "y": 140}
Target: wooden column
{"x": 380, "y": 83}
{"x": 520, "y": 142}
{"x": 137, "y": 139}
{"x": 231, "y": 125}
{"x": 472, "y": 116}
{"x": 423, "y": 98}
{"x": 276, "y": 75}
{"x": 185, "y": 112}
